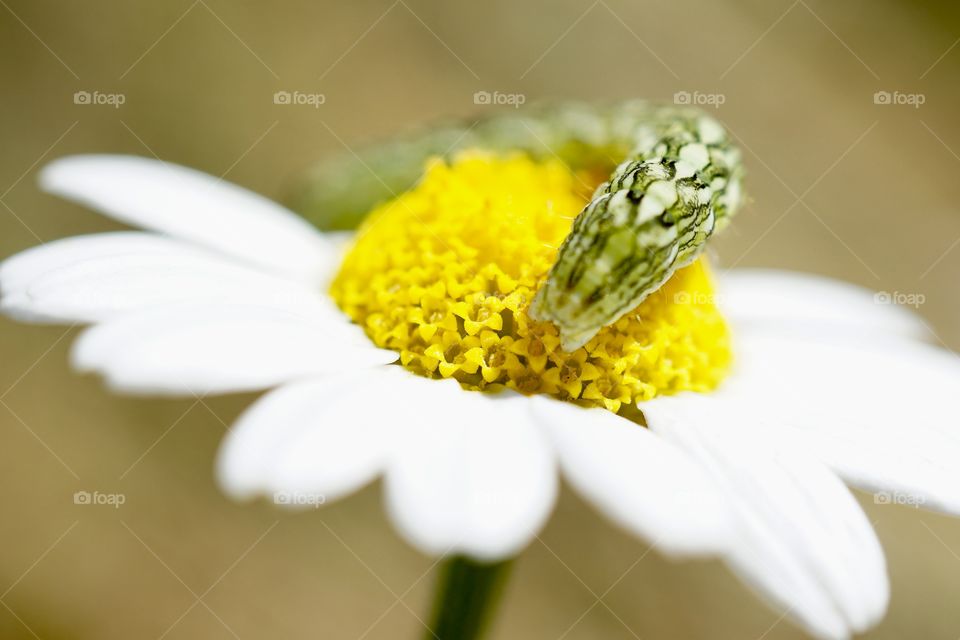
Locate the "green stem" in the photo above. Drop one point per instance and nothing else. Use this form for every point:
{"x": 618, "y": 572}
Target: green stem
{"x": 467, "y": 593}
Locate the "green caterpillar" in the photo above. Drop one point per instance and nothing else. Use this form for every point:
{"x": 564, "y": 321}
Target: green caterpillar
{"x": 680, "y": 184}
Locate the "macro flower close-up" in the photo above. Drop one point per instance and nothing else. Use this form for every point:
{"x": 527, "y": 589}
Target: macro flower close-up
{"x": 480, "y": 322}
{"x": 682, "y": 428}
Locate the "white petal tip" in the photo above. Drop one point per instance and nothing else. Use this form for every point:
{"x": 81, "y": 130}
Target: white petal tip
{"x": 232, "y": 476}
{"x": 83, "y": 353}
{"x": 51, "y": 177}
{"x": 14, "y": 305}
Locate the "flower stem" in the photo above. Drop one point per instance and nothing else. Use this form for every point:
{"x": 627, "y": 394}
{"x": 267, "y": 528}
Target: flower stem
{"x": 467, "y": 593}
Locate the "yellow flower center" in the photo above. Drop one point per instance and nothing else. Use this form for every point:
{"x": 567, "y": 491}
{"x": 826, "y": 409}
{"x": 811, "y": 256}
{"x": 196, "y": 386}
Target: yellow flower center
{"x": 444, "y": 273}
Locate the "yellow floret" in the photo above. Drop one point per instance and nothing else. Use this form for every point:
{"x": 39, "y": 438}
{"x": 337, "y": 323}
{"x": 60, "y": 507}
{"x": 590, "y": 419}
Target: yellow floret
{"x": 444, "y": 273}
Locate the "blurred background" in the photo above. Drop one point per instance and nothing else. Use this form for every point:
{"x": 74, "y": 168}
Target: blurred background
{"x": 845, "y": 181}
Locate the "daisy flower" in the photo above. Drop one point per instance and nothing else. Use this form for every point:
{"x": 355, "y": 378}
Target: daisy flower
{"x": 720, "y": 418}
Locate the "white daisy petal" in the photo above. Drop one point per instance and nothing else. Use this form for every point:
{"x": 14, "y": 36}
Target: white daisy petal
{"x": 639, "y": 480}
{"x": 317, "y": 437}
{"x": 190, "y": 349}
{"x": 803, "y": 540}
{"x": 74, "y": 284}
{"x": 878, "y": 414}
{"x": 18, "y": 271}
{"x": 753, "y": 298}
{"x": 911, "y": 465}
{"x": 472, "y": 475}
{"x": 194, "y": 206}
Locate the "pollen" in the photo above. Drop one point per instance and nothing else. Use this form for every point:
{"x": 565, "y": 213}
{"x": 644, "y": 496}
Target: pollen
{"x": 444, "y": 275}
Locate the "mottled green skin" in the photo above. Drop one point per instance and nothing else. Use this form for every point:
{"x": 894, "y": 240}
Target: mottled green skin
{"x": 680, "y": 183}
{"x": 652, "y": 217}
